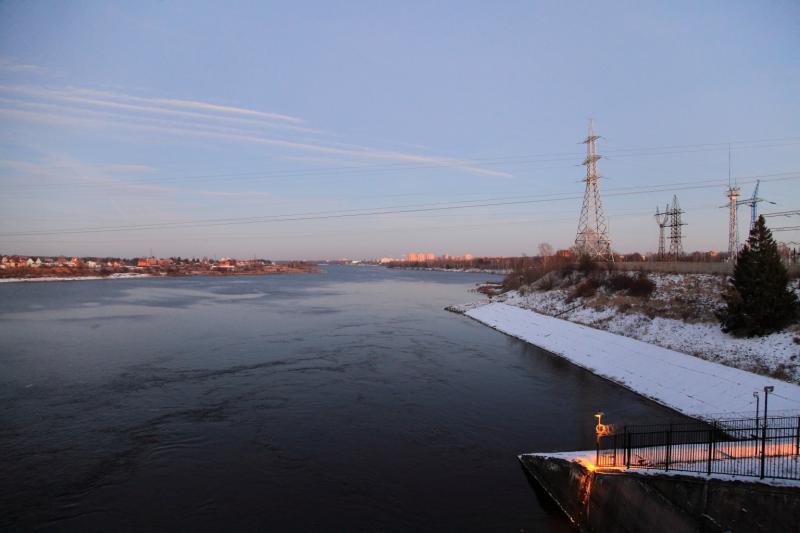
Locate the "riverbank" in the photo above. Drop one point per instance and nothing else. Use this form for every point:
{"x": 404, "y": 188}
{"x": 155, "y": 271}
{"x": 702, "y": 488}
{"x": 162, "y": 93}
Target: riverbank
{"x": 499, "y": 272}
{"x": 182, "y": 274}
{"x": 678, "y": 315}
{"x": 687, "y": 384}
{"x": 123, "y": 275}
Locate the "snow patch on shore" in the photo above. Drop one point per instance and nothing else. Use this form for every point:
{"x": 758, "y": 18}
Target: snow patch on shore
{"x": 587, "y": 458}
{"x": 777, "y": 354}
{"x": 688, "y": 384}
{"x": 120, "y": 275}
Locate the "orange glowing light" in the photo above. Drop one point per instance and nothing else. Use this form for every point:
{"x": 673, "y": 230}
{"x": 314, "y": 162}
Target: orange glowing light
{"x": 601, "y": 429}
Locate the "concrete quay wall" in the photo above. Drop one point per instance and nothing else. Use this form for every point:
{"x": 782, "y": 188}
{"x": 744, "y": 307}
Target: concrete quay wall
{"x": 622, "y": 500}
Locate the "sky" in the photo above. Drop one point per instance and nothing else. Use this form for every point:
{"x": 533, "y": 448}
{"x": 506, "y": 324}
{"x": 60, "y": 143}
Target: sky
{"x": 308, "y": 130}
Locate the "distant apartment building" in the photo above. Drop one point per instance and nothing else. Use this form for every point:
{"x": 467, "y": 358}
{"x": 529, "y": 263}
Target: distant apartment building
{"x": 416, "y": 257}
{"x": 465, "y": 257}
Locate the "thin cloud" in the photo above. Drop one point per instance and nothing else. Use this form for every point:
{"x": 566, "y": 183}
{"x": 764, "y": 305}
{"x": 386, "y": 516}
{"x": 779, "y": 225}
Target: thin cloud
{"x": 7, "y": 65}
{"x": 71, "y": 96}
{"x": 127, "y": 115}
{"x": 190, "y": 104}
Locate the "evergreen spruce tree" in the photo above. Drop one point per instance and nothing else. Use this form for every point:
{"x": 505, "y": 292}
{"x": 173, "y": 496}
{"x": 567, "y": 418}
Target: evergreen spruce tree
{"x": 759, "y": 301}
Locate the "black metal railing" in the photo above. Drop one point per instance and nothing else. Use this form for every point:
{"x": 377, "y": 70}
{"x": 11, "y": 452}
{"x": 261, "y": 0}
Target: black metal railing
{"x": 765, "y": 447}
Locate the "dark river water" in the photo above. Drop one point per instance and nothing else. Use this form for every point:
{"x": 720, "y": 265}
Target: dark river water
{"x": 344, "y": 401}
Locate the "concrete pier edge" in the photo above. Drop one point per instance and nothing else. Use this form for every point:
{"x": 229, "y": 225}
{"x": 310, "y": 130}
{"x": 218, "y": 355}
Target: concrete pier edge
{"x": 627, "y": 500}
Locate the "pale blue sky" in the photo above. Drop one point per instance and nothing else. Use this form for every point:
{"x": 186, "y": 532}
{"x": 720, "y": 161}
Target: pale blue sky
{"x": 151, "y": 113}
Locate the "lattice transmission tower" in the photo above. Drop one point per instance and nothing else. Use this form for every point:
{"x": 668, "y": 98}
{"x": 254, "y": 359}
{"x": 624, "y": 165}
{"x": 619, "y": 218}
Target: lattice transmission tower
{"x": 733, "y": 223}
{"x": 675, "y": 224}
{"x": 661, "y": 220}
{"x": 592, "y": 237}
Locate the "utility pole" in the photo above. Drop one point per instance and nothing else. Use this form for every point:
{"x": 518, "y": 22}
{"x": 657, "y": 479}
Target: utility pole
{"x": 592, "y": 237}
{"x": 767, "y": 390}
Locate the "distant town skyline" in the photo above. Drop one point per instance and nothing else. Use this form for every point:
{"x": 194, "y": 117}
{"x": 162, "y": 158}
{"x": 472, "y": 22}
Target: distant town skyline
{"x": 320, "y": 131}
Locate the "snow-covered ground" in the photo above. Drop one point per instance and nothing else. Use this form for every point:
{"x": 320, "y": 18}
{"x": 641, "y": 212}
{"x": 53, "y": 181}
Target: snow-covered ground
{"x": 748, "y": 473}
{"x": 500, "y": 272}
{"x": 678, "y": 316}
{"x": 688, "y": 384}
{"x": 121, "y": 275}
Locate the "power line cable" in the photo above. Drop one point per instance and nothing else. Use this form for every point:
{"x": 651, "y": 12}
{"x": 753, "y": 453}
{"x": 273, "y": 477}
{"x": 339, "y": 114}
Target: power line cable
{"x": 441, "y": 163}
{"x": 364, "y": 212}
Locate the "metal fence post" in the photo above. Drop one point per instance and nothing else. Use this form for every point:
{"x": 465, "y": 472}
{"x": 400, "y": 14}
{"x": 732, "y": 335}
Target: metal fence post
{"x": 767, "y": 390}
{"x": 615, "y": 448}
{"x": 763, "y": 445}
{"x": 669, "y": 447}
{"x": 797, "y": 438}
{"x": 627, "y": 449}
{"x": 711, "y": 445}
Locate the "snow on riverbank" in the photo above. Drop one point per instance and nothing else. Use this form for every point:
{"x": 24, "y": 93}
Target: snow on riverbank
{"x": 747, "y": 471}
{"x": 679, "y": 316}
{"x": 121, "y": 275}
{"x": 683, "y": 382}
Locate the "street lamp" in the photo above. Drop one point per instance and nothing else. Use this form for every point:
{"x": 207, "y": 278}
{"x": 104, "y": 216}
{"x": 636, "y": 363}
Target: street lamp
{"x": 767, "y": 390}
{"x": 755, "y": 395}
{"x": 601, "y": 430}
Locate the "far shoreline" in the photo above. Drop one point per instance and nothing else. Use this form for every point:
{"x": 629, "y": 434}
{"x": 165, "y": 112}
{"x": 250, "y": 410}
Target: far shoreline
{"x": 135, "y": 275}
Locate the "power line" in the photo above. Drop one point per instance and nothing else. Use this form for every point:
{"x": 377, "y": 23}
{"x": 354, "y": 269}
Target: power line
{"x": 616, "y": 214}
{"x": 794, "y": 212}
{"x": 441, "y": 163}
{"x": 364, "y": 212}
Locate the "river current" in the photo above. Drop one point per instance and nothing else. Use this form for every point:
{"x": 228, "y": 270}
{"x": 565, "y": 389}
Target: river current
{"x": 341, "y": 401}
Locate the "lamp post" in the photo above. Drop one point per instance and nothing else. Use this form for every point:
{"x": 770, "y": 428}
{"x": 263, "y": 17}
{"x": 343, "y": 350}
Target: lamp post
{"x": 755, "y": 431}
{"x": 755, "y": 395}
{"x": 767, "y": 390}
{"x": 598, "y": 433}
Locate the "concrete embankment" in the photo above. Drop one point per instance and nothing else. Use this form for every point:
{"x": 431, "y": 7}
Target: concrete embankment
{"x": 626, "y": 500}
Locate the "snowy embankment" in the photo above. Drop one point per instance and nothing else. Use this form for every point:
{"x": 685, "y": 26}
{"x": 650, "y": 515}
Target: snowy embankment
{"x": 121, "y": 275}
{"x": 683, "y": 382}
{"x": 679, "y": 316}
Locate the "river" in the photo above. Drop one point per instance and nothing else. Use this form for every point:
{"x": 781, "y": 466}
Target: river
{"x": 341, "y": 401}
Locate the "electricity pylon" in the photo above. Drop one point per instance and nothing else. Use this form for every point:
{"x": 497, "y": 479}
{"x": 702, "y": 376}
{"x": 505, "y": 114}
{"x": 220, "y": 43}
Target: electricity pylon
{"x": 733, "y": 223}
{"x": 592, "y": 237}
{"x": 661, "y": 220}
{"x": 675, "y": 225}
